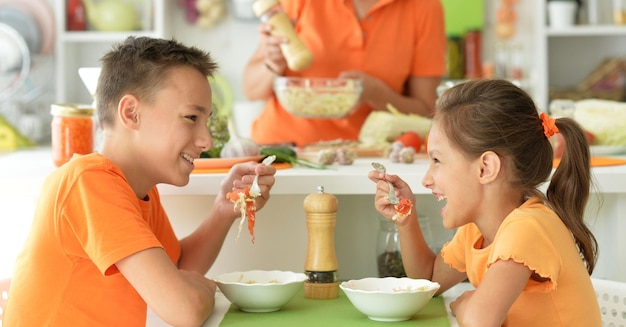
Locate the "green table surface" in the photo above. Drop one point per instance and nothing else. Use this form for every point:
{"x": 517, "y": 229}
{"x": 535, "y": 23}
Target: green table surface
{"x": 333, "y": 312}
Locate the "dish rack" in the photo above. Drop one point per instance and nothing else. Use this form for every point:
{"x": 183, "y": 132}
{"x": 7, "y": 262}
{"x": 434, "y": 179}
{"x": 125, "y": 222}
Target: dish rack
{"x": 612, "y": 300}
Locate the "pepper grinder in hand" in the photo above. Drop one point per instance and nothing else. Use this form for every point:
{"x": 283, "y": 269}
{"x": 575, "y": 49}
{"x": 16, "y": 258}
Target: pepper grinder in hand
{"x": 321, "y": 261}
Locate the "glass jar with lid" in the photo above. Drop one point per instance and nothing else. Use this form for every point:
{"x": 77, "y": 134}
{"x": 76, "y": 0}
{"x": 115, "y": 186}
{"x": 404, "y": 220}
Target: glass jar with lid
{"x": 388, "y": 253}
{"x": 72, "y": 131}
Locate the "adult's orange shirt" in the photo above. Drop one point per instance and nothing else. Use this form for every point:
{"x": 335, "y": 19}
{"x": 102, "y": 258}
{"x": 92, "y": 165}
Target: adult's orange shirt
{"x": 87, "y": 219}
{"x": 396, "y": 39}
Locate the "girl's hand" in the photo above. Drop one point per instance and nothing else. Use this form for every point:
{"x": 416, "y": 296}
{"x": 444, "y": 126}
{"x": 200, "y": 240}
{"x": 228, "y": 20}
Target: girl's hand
{"x": 456, "y": 306}
{"x": 381, "y": 199}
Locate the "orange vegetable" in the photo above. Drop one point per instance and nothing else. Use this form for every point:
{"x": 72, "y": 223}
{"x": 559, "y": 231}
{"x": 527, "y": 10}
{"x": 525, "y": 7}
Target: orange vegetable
{"x": 411, "y": 139}
{"x": 403, "y": 209}
{"x": 245, "y": 203}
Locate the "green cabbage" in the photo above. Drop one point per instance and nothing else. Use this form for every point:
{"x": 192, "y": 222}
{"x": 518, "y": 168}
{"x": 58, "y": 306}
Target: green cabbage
{"x": 605, "y": 119}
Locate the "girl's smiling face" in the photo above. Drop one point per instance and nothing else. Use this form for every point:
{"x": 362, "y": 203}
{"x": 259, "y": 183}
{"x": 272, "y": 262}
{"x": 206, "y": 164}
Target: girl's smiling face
{"x": 452, "y": 177}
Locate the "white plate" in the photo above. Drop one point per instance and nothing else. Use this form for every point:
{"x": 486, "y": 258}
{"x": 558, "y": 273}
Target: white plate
{"x": 606, "y": 150}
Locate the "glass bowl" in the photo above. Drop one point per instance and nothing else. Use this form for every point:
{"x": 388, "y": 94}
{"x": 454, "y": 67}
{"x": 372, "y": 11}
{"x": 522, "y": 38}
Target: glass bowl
{"x": 325, "y": 98}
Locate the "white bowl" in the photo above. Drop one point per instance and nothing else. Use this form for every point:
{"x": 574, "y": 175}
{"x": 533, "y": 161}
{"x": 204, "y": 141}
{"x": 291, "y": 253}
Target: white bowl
{"x": 317, "y": 97}
{"x": 260, "y": 290}
{"x": 389, "y": 298}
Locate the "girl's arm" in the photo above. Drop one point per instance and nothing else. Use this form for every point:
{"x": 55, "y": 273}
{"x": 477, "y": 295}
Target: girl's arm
{"x": 489, "y": 304}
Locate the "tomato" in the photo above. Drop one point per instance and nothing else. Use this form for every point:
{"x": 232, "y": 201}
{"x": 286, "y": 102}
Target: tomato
{"x": 243, "y": 201}
{"x": 411, "y": 139}
{"x": 404, "y": 207}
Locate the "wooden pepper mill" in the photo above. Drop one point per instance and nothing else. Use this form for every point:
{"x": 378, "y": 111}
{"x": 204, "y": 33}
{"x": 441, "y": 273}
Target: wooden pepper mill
{"x": 321, "y": 261}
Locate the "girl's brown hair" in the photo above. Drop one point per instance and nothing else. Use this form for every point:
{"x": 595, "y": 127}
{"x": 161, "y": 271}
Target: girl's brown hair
{"x": 140, "y": 66}
{"x": 496, "y": 115}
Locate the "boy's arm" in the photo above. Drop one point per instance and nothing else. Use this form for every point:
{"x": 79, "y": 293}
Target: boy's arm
{"x": 200, "y": 248}
{"x": 179, "y": 297}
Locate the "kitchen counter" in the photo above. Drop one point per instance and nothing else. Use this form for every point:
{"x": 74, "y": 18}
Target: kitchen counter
{"x": 281, "y": 235}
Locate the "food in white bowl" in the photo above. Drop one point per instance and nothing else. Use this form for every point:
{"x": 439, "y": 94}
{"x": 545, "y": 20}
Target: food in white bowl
{"x": 317, "y": 97}
{"x": 389, "y": 298}
{"x": 260, "y": 290}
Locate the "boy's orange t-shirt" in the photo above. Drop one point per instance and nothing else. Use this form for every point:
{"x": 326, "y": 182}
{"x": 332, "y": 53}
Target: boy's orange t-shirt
{"x": 87, "y": 219}
{"x": 535, "y": 236}
{"x": 396, "y": 39}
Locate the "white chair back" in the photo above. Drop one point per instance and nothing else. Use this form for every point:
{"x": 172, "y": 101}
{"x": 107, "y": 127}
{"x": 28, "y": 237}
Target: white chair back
{"x": 612, "y": 299}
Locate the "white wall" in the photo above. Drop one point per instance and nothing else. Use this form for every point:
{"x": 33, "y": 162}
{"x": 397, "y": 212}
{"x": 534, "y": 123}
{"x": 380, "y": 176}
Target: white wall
{"x": 231, "y": 42}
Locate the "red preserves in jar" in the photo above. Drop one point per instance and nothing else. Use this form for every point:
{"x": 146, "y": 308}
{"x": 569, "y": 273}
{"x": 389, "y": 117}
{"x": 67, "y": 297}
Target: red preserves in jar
{"x": 72, "y": 131}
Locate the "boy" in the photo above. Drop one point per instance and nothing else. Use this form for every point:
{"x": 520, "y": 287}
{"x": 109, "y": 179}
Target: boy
{"x": 101, "y": 246}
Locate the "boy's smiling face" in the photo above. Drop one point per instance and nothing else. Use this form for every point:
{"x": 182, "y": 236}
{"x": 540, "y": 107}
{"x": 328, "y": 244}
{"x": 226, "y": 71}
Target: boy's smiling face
{"x": 173, "y": 129}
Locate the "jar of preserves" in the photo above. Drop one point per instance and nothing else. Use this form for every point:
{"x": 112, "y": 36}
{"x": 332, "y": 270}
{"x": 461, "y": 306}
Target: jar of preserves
{"x": 72, "y": 131}
{"x": 296, "y": 54}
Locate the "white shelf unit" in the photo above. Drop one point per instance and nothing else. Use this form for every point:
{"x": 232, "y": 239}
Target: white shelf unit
{"x": 75, "y": 49}
{"x": 564, "y": 57}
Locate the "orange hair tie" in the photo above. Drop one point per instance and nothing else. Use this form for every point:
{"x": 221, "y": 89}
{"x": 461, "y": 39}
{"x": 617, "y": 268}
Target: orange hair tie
{"x": 549, "y": 125}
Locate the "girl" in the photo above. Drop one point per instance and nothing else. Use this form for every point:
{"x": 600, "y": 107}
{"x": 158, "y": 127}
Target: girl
{"x": 528, "y": 255}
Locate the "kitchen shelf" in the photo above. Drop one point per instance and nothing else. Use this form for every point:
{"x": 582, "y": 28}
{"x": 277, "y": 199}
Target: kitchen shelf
{"x": 587, "y": 30}
{"x": 98, "y": 37}
{"x": 561, "y": 58}
{"x": 75, "y": 49}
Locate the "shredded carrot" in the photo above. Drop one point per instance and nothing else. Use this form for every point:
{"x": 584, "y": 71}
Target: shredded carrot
{"x": 403, "y": 209}
{"x": 245, "y": 204}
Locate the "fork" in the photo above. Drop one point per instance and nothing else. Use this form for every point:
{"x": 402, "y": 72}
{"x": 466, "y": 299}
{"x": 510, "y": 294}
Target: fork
{"x": 393, "y": 199}
{"x": 255, "y": 190}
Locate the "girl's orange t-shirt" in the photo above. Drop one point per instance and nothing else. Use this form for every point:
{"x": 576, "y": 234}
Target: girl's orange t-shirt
{"x": 535, "y": 236}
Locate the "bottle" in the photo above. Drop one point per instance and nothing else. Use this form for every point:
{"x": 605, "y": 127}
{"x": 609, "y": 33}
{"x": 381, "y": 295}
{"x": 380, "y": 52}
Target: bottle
{"x": 296, "y": 53}
{"x": 388, "y": 254}
{"x": 455, "y": 58}
{"x": 472, "y": 54}
{"x": 72, "y": 131}
{"x": 76, "y": 16}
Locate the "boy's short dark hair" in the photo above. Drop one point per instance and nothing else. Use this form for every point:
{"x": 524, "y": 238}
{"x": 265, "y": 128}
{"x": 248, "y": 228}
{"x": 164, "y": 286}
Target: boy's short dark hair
{"x": 140, "y": 66}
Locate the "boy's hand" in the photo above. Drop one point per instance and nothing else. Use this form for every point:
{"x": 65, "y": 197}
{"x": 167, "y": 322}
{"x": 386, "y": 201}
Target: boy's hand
{"x": 240, "y": 176}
